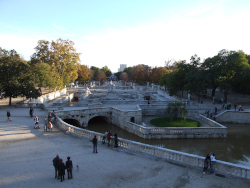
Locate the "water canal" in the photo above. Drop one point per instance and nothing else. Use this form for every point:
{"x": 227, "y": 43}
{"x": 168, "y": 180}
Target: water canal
{"x": 235, "y": 148}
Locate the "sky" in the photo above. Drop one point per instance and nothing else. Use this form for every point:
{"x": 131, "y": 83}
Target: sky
{"x": 132, "y": 32}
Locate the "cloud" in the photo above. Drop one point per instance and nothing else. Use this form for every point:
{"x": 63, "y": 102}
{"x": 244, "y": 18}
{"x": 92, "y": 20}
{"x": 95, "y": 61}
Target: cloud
{"x": 58, "y": 27}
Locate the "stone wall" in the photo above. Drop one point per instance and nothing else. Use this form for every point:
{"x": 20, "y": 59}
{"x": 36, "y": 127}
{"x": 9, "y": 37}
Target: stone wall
{"x": 234, "y": 117}
{"x": 176, "y": 157}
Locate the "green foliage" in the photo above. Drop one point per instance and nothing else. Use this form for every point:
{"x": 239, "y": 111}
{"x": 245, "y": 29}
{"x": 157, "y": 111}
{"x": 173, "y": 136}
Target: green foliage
{"x": 107, "y": 71}
{"x": 176, "y": 108}
{"x": 179, "y": 122}
{"x": 16, "y": 76}
{"x": 61, "y": 56}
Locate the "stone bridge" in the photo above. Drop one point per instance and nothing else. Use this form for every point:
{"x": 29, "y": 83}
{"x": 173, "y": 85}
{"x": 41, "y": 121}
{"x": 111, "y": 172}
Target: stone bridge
{"x": 112, "y": 115}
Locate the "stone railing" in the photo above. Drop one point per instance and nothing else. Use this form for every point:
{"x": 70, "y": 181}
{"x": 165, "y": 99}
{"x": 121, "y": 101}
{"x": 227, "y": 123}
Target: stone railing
{"x": 176, "y": 157}
{"x": 210, "y": 122}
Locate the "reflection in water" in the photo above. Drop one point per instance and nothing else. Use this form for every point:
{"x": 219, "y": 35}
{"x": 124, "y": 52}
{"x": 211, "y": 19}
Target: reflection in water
{"x": 235, "y": 148}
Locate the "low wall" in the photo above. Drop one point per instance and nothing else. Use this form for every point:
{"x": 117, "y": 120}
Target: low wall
{"x": 176, "y": 157}
{"x": 229, "y": 116}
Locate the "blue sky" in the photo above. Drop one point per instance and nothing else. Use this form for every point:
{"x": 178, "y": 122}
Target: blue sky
{"x": 114, "y": 32}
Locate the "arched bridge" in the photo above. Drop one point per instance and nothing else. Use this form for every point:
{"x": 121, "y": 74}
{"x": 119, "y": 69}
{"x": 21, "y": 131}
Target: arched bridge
{"x": 113, "y": 115}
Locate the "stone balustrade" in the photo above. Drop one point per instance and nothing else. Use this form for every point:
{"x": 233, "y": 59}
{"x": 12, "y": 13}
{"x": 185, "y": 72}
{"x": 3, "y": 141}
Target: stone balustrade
{"x": 176, "y": 157}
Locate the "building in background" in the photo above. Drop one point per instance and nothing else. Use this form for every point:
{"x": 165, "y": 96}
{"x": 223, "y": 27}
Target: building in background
{"x": 122, "y": 67}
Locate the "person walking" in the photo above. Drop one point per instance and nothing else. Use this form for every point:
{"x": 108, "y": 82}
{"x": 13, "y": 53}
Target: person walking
{"x": 213, "y": 160}
{"x": 61, "y": 169}
{"x": 45, "y": 124}
{"x": 31, "y": 112}
{"x": 36, "y": 119}
{"x": 69, "y": 166}
{"x": 8, "y": 116}
{"x": 104, "y": 137}
{"x": 55, "y": 164}
{"x": 116, "y": 140}
{"x": 50, "y": 125}
{"x": 109, "y": 137}
{"x": 206, "y": 163}
{"x": 94, "y": 140}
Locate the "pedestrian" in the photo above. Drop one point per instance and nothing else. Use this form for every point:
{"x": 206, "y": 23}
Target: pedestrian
{"x": 61, "y": 169}
{"x": 69, "y": 166}
{"x": 94, "y": 140}
{"x": 31, "y": 112}
{"x": 55, "y": 163}
{"x": 104, "y": 137}
{"x": 49, "y": 116}
{"x": 109, "y": 137}
{"x": 36, "y": 119}
{"x": 213, "y": 160}
{"x": 50, "y": 125}
{"x": 235, "y": 106}
{"x": 8, "y": 116}
{"x": 206, "y": 163}
{"x": 116, "y": 140}
{"x": 45, "y": 124}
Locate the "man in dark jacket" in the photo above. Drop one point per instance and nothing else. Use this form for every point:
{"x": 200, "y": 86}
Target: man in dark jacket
{"x": 69, "y": 166}
{"x": 55, "y": 163}
{"x": 94, "y": 144}
{"x": 61, "y": 169}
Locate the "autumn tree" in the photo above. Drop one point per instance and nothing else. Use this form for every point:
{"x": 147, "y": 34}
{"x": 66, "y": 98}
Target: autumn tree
{"x": 83, "y": 73}
{"x": 124, "y": 76}
{"x": 138, "y": 73}
{"x": 101, "y": 76}
{"x": 157, "y": 73}
{"x": 60, "y": 54}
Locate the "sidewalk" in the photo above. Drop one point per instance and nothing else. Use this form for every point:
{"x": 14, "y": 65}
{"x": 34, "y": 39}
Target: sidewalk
{"x": 27, "y": 153}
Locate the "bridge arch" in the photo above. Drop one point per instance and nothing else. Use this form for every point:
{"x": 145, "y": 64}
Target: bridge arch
{"x": 72, "y": 121}
{"x": 99, "y": 118}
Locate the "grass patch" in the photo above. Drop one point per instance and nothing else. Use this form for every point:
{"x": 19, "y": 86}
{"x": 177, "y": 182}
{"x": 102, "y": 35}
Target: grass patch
{"x": 180, "y": 122}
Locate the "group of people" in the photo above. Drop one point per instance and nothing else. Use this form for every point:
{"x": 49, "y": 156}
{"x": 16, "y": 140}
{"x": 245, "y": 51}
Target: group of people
{"x": 48, "y": 121}
{"x": 209, "y": 161}
{"x": 211, "y": 115}
{"x": 108, "y": 135}
{"x": 60, "y": 168}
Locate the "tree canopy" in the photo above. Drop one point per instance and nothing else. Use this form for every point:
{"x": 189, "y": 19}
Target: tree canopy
{"x": 16, "y": 76}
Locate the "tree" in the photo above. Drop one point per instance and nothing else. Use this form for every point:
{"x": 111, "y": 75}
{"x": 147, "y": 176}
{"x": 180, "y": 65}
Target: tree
{"x": 83, "y": 73}
{"x": 95, "y": 71}
{"x": 15, "y": 76}
{"x": 101, "y": 76}
{"x": 124, "y": 76}
{"x": 138, "y": 73}
{"x": 107, "y": 71}
{"x": 44, "y": 75}
{"x": 59, "y": 54}
{"x": 176, "y": 108}
{"x": 157, "y": 73}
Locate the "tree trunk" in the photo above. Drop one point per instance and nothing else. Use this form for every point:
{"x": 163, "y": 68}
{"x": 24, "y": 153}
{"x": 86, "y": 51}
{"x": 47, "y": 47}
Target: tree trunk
{"x": 10, "y": 101}
{"x": 199, "y": 98}
{"x": 213, "y": 92}
{"x": 225, "y": 96}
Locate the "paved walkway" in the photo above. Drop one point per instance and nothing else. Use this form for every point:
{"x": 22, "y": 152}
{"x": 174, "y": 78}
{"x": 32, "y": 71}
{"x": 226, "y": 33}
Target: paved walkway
{"x": 27, "y": 153}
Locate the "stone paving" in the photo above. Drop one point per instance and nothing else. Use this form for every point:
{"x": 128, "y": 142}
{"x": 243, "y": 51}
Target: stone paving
{"x": 27, "y": 153}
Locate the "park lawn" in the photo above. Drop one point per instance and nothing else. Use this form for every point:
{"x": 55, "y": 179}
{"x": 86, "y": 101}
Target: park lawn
{"x": 167, "y": 122}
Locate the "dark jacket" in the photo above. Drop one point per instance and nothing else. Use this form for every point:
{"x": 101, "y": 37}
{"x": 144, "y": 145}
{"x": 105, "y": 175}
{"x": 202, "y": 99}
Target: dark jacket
{"x": 56, "y": 162}
{"x": 69, "y": 164}
{"x": 61, "y": 169}
{"x": 94, "y": 140}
